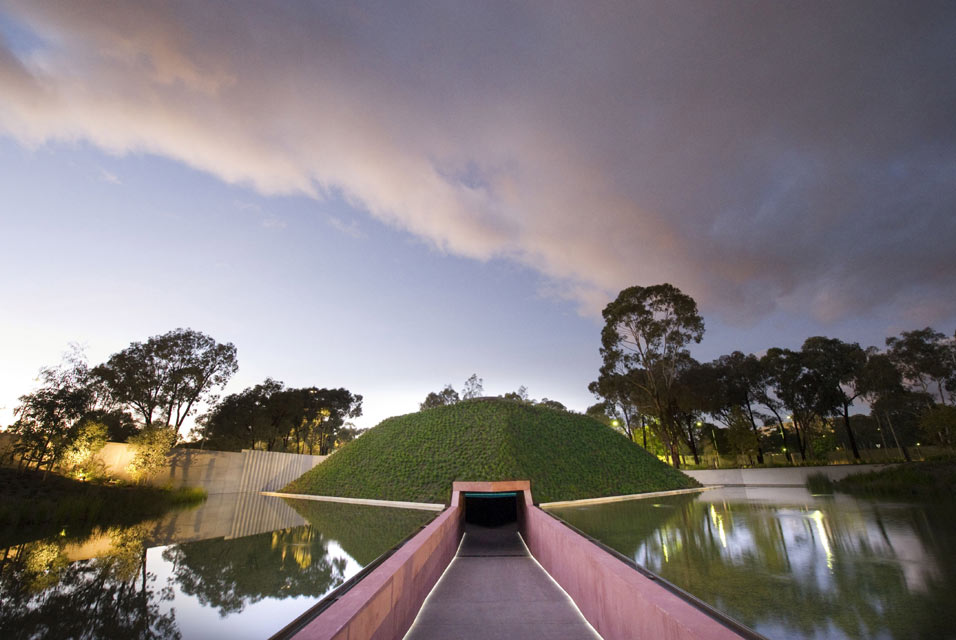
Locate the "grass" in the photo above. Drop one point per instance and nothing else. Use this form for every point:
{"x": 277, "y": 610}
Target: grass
{"x": 33, "y": 506}
{"x": 820, "y": 484}
{"x": 913, "y": 479}
{"x": 416, "y": 457}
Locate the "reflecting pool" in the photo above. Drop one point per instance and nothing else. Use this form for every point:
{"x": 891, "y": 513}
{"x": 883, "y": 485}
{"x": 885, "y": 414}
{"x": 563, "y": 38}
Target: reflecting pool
{"x": 792, "y": 565}
{"x": 239, "y": 566}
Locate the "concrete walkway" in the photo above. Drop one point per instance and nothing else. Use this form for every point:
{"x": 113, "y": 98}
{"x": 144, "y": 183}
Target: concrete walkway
{"x": 493, "y": 589}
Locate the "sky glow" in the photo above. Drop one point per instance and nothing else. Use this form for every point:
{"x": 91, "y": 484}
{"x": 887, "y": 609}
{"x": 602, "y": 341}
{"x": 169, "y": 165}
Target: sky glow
{"x": 390, "y": 198}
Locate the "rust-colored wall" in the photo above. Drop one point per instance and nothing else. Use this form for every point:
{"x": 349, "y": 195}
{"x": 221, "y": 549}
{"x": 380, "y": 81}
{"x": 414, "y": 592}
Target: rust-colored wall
{"x": 618, "y": 601}
{"x": 383, "y": 605}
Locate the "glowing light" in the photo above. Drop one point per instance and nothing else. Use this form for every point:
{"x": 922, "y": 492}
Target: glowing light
{"x": 718, "y": 521}
{"x": 817, "y": 517}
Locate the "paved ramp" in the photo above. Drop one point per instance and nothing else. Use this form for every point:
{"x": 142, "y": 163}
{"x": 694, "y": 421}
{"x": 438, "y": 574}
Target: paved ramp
{"x": 493, "y": 589}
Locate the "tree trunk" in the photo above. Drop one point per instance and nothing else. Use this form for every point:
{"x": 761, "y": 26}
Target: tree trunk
{"x": 692, "y": 442}
{"x": 783, "y": 434}
{"x": 901, "y": 447}
{"x": 644, "y": 430}
{"x": 753, "y": 425}
{"x": 849, "y": 431}
{"x": 802, "y": 439}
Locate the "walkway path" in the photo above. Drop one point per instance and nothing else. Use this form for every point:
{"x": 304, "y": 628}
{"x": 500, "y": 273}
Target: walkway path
{"x": 493, "y": 590}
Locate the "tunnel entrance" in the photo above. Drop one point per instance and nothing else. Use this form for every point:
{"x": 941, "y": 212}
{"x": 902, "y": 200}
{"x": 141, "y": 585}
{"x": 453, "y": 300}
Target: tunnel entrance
{"x": 491, "y": 509}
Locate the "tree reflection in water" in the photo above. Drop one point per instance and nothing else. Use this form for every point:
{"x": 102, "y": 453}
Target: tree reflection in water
{"x": 44, "y": 595}
{"x": 805, "y": 568}
{"x": 230, "y": 574}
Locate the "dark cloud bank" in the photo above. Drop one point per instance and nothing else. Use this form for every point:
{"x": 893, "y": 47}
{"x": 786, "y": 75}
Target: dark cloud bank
{"x": 761, "y": 156}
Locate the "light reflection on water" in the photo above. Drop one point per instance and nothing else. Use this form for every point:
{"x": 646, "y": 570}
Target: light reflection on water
{"x": 140, "y": 582}
{"x": 792, "y": 565}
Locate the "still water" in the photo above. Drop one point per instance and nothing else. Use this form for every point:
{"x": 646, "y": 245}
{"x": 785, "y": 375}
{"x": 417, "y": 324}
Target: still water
{"x": 239, "y": 566}
{"x": 791, "y": 565}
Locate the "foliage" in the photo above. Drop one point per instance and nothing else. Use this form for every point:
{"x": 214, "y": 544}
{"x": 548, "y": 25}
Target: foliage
{"x": 446, "y": 396}
{"x": 152, "y": 446}
{"x": 927, "y": 360}
{"x": 740, "y": 437}
{"x": 939, "y": 424}
{"x": 474, "y": 388}
{"x": 229, "y": 575}
{"x": 416, "y": 457}
{"x": 163, "y": 378}
{"x": 910, "y": 479}
{"x": 80, "y": 458}
{"x": 819, "y": 484}
{"x": 28, "y": 503}
{"x": 519, "y": 395}
{"x": 644, "y": 344}
{"x": 308, "y": 420}
{"x": 43, "y": 594}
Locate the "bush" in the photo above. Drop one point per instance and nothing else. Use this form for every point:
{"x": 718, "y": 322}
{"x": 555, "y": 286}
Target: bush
{"x": 820, "y": 484}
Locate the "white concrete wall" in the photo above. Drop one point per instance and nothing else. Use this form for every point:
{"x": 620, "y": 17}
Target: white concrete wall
{"x": 783, "y": 476}
{"x": 217, "y": 471}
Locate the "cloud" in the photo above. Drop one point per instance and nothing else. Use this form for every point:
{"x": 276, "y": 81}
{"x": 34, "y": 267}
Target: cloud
{"x": 350, "y": 228}
{"x": 107, "y": 176}
{"x": 273, "y": 222}
{"x": 761, "y": 157}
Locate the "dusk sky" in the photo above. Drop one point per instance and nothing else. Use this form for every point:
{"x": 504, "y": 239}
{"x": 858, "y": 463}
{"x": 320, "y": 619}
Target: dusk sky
{"x": 391, "y": 196}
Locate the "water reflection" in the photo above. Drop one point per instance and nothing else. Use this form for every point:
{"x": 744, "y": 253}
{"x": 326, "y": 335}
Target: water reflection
{"x": 791, "y": 565}
{"x": 44, "y": 595}
{"x": 130, "y": 582}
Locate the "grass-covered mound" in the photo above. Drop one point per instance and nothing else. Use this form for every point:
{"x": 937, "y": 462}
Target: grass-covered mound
{"x": 416, "y": 457}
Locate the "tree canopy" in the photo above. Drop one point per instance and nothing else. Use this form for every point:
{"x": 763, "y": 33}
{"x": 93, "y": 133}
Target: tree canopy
{"x": 645, "y": 338}
{"x": 165, "y": 377}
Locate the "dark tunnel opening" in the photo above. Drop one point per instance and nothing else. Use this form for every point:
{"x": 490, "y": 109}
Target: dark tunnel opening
{"x": 491, "y": 509}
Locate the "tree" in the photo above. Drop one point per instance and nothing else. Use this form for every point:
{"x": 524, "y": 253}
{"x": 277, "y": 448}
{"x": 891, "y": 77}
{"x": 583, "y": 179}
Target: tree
{"x": 926, "y": 358}
{"x": 322, "y": 413}
{"x": 50, "y": 418}
{"x": 740, "y": 437}
{"x": 554, "y": 404}
{"x": 521, "y": 395}
{"x": 622, "y": 399}
{"x": 279, "y": 419}
{"x": 743, "y": 382}
{"x": 796, "y": 391}
{"x": 838, "y": 368}
{"x": 164, "y": 378}
{"x": 939, "y": 424}
{"x": 444, "y": 397}
{"x": 152, "y": 446}
{"x": 881, "y": 385}
{"x": 473, "y": 387}
{"x": 646, "y": 332}
{"x": 80, "y": 456}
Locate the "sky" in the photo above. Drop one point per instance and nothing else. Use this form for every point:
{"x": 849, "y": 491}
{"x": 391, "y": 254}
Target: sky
{"x": 389, "y": 197}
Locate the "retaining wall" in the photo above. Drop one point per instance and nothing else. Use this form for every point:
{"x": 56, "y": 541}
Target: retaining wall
{"x": 216, "y": 471}
{"x": 781, "y": 477}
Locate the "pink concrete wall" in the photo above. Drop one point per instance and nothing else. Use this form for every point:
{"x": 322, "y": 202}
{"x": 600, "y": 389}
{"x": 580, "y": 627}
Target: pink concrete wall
{"x": 383, "y": 605}
{"x": 618, "y": 601}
